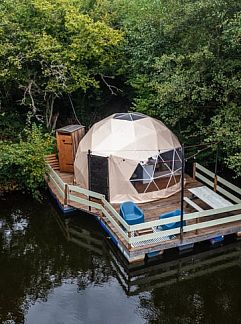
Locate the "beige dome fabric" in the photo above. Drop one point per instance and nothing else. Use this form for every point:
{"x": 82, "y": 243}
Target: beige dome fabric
{"x": 128, "y": 140}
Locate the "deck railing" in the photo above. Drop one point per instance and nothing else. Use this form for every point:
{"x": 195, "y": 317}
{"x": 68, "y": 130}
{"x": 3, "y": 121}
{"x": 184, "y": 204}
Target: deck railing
{"x": 84, "y": 197}
{"x": 214, "y": 217}
{"x": 219, "y": 184}
{"x": 133, "y": 235}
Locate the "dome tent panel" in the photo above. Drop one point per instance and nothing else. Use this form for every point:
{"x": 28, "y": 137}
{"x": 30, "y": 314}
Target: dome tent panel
{"x": 165, "y": 134}
{"x": 132, "y": 140}
{"x": 81, "y": 170}
{"x": 98, "y": 134}
{"x": 145, "y": 197}
{"x": 120, "y": 172}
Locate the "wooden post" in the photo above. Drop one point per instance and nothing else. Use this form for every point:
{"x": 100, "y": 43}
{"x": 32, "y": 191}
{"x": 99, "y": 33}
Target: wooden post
{"x": 215, "y": 180}
{"x": 182, "y": 193}
{"x": 194, "y": 170}
{"x": 89, "y": 177}
{"x": 197, "y": 222}
{"x": 101, "y": 212}
{"x": 65, "y": 194}
{"x": 129, "y": 245}
{"x": 215, "y": 183}
{"x": 108, "y": 182}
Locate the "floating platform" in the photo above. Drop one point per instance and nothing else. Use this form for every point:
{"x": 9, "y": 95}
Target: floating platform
{"x": 171, "y": 269}
{"x": 208, "y": 215}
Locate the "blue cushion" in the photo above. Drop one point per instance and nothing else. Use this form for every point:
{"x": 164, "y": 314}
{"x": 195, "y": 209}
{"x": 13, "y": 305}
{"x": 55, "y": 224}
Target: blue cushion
{"x": 131, "y": 213}
{"x": 169, "y": 226}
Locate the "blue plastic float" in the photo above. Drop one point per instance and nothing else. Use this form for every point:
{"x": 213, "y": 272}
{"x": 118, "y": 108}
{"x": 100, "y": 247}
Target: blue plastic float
{"x": 217, "y": 239}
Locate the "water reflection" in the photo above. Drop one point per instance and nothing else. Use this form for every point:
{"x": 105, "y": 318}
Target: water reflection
{"x": 46, "y": 279}
{"x": 65, "y": 270}
{"x": 158, "y": 273}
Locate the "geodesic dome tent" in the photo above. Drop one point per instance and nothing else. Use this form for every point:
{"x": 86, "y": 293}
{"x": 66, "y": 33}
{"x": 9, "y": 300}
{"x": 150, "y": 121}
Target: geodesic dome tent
{"x": 129, "y": 156}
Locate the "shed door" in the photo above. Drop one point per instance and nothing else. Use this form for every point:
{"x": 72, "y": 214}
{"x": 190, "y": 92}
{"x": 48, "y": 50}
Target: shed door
{"x": 98, "y": 175}
{"x": 65, "y": 148}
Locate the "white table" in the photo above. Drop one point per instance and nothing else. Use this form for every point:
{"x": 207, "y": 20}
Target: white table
{"x": 210, "y": 197}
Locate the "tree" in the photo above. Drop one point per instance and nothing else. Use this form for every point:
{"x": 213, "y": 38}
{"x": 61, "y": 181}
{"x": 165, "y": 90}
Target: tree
{"x": 184, "y": 65}
{"x": 226, "y": 124}
{"x": 22, "y": 164}
{"x": 52, "y": 47}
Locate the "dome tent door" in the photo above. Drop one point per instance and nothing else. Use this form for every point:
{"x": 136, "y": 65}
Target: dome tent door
{"x": 98, "y": 174}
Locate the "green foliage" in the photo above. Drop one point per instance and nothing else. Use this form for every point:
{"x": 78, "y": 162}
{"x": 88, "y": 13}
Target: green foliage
{"x": 52, "y": 47}
{"x": 184, "y": 65}
{"x": 22, "y": 164}
{"x": 11, "y": 123}
{"x": 175, "y": 60}
{"x": 226, "y": 130}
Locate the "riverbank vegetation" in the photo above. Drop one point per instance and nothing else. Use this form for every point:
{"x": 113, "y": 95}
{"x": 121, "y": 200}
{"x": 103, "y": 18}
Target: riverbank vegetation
{"x": 22, "y": 163}
{"x": 63, "y": 60}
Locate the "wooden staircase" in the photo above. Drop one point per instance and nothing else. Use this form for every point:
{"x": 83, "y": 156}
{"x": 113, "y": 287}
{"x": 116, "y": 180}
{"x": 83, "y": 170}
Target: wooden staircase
{"x": 52, "y": 160}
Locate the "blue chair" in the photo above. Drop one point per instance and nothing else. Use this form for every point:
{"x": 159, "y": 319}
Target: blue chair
{"x": 173, "y": 225}
{"x": 131, "y": 213}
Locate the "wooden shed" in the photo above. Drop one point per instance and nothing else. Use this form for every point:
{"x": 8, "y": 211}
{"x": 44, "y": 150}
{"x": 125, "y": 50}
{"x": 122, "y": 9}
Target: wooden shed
{"x": 68, "y": 139}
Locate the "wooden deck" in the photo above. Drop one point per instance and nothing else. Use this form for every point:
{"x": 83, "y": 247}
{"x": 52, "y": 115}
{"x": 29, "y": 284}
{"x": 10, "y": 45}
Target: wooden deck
{"x": 137, "y": 241}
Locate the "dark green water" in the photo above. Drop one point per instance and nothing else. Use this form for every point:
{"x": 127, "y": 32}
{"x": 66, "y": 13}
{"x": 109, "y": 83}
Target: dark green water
{"x": 63, "y": 271}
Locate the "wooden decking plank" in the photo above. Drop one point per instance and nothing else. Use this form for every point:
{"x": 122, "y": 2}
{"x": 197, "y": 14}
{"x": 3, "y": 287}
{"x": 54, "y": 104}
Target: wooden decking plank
{"x": 192, "y": 204}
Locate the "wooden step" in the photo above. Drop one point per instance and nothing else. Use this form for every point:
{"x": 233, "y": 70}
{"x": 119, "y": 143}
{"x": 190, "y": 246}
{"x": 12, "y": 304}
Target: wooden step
{"x": 54, "y": 163}
{"x": 51, "y": 155}
{"x": 50, "y": 158}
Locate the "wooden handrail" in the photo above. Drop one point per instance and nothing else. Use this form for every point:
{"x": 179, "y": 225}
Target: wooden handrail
{"x": 219, "y": 179}
{"x": 86, "y": 192}
{"x": 204, "y": 213}
{"x": 216, "y": 183}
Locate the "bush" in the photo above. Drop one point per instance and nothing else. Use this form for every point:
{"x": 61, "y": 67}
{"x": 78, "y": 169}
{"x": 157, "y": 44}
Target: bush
{"x": 22, "y": 164}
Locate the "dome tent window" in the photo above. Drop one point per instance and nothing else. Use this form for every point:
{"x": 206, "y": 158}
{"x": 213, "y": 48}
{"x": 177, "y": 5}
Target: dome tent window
{"x": 141, "y": 151}
{"x": 159, "y": 172}
{"x": 129, "y": 116}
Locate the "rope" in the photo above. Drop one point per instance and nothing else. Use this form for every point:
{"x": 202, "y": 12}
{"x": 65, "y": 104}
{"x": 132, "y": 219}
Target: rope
{"x": 194, "y": 155}
{"x": 198, "y": 145}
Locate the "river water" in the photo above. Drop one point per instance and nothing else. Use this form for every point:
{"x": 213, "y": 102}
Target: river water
{"x": 61, "y": 270}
